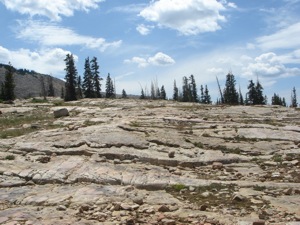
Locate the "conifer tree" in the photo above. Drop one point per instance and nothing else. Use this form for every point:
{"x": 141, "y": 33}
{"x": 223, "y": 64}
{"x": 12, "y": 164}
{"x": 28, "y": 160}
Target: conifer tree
{"x": 96, "y": 77}
{"x": 88, "y": 89}
{"x": 186, "y": 91}
{"x": 2, "y": 91}
{"x": 193, "y": 89}
{"x": 207, "y": 98}
{"x": 251, "y": 94}
{"x": 175, "y": 92}
{"x": 277, "y": 100}
{"x": 79, "y": 88}
{"x": 163, "y": 94}
{"x": 231, "y": 96}
{"x": 70, "y": 78}
{"x": 241, "y": 99}
{"x": 110, "y": 91}
{"x": 9, "y": 85}
{"x": 294, "y": 103}
{"x": 51, "y": 92}
{"x": 202, "y": 101}
{"x": 62, "y": 93}
{"x": 142, "y": 94}
{"x": 43, "y": 87}
{"x": 259, "y": 94}
{"x": 124, "y": 94}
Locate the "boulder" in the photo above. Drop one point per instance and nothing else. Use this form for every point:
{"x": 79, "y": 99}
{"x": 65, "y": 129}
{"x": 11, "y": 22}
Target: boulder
{"x": 61, "y": 113}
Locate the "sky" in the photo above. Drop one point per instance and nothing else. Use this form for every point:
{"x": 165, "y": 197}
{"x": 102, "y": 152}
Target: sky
{"x": 139, "y": 41}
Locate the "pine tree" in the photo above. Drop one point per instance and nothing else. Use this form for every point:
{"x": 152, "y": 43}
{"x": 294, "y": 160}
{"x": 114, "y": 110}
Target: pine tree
{"x": 251, "y": 94}
{"x": 163, "y": 94}
{"x": 186, "y": 91}
{"x": 9, "y": 85}
{"x": 51, "y": 92}
{"x": 277, "y": 100}
{"x": 124, "y": 94}
{"x": 43, "y": 91}
{"x": 202, "y": 101}
{"x": 283, "y": 102}
{"x": 142, "y": 94}
{"x": 2, "y": 91}
{"x": 241, "y": 99}
{"x": 259, "y": 100}
{"x": 207, "y": 98}
{"x": 110, "y": 91}
{"x": 175, "y": 92}
{"x": 193, "y": 89}
{"x": 255, "y": 93}
{"x": 294, "y": 103}
{"x": 79, "y": 88}
{"x": 70, "y": 78}
{"x": 88, "y": 89}
{"x": 96, "y": 77}
{"x": 231, "y": 96}
{"x": 62, "y": 93}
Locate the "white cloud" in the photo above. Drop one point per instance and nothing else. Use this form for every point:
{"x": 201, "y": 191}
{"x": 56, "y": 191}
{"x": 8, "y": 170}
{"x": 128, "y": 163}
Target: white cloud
{"x": 51, "y": 34}
{"x": 269, "y": 65}
{"x": 189, "y": 17}
{"x": 53, "y": 9}
{"x": 142, "y": 62}
{"x": 144, "y": 29}
{"x": 159, "y": 59}
{"x": 285, "y": 38}
{"x": 47, "y": 61}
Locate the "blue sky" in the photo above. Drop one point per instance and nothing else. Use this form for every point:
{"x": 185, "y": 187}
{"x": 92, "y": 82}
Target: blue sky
{"x": 141, "y": 41}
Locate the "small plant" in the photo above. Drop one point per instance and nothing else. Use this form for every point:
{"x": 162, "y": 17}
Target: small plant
{"x": 206, "y": 135}
{"x": 37, "y": 100}
{"x": 178, "y": 187}
{"x": 198, "y": 144}
{"x": 135, "y": 124}
{"x": 259, "y": 188}
{"x": 277, "y": 158}
{"x": 10, "y": 157}
{"x": 58, "y": 103}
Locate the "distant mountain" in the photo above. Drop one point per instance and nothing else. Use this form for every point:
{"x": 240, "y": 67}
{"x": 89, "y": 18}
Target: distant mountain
{"x": 29, "y": 83}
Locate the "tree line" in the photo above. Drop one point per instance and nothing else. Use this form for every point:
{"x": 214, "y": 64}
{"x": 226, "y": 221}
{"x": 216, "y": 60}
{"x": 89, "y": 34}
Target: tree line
{"x": 90, "y": 87}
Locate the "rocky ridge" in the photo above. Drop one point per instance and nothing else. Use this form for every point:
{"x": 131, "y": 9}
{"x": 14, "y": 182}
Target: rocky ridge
{"x": 149, "y": 162}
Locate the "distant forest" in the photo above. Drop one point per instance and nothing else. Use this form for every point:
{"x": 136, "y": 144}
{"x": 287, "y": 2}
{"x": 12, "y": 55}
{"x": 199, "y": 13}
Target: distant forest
{"x": 90, "y": 87}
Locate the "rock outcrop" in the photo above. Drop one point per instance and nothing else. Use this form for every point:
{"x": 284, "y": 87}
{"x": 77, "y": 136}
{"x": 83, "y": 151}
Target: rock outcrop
{"x": 149, "y": 162}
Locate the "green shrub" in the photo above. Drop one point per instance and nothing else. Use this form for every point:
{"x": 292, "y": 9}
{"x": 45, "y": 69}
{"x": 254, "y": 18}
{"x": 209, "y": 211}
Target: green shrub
{"x": 10, "y": 157}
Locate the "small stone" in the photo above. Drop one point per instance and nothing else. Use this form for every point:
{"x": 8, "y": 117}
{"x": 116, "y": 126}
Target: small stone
{"x": 138, "y": 200}
{"x": 84, "y": 208}
{"x": 258, "y": 222}
{"x": 206, "y": 194}
{"x": 238, "y": 198}
{"x": 217, "y": 166}
{"x": 168, "y": 222}
{"x": 288, "y": 191}
{"x": 61, "y": 113}
{"x": 117, "y": 161}
{"x": 171, "y": 154}
{"x": 125, "y": 206}
{"x": 163, "y": 208}
{"x": 203, "y": 207}
{"x": 61, "y": 208}
{"x": 191, "y": 188}
{"x": 43, "y": 159}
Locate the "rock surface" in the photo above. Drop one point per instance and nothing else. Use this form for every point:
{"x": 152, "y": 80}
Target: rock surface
{"x": 149, "y": 162}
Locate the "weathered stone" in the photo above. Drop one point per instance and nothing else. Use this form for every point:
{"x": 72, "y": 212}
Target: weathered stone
{"x": 163, "y": 208}
{"x": 217, "y": 166}
{"x": 61, "y": 113}
{"x": 258, "y": 222}
{"x": 61, "y": 208}
{"x": 171, "y": 154}
{"x": 168, "y": 222}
